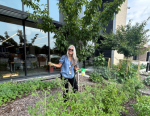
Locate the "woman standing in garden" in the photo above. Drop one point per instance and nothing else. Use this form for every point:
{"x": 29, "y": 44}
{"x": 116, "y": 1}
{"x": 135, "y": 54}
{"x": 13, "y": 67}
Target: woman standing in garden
{"x": 68, "y": 64}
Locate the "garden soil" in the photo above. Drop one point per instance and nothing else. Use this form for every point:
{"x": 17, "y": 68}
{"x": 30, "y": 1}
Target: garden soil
{"x": 19, "y": 107}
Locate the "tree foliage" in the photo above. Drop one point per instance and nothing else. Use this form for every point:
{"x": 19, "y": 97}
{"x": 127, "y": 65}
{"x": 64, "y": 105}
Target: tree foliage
{"x": 79, "y": 31}
{"x": 128, "y": 40}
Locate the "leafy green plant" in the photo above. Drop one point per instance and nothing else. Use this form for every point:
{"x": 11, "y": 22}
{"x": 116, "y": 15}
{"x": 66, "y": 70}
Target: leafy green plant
{"x": 135, "y": 66}
{"x": 122, "y": 75}
{"x": 96, "y": 100}
{"x": 99, "y": 60}
{"x": 142, "y": 107}
{"x": 103, "y": 71}
{"x": 143, "y": 66}
{"x": 96, "y": 77}
{"x": 132, "y": 86}
{"x": 11, "y": 90}
{"x": 146, "y": 81}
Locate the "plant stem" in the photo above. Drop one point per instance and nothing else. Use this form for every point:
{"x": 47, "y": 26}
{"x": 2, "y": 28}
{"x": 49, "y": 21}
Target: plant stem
{"x": 45, "y": 102}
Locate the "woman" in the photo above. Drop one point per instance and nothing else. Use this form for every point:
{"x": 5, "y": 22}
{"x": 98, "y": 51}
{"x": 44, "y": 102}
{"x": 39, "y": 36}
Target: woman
{"x": 68, "y": 64}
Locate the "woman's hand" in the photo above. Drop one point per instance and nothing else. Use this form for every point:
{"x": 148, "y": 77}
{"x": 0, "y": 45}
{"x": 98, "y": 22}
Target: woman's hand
{"x": 56, "y": 65}
{"x": 76, "y": 68}
{"x": 50, "y": 64}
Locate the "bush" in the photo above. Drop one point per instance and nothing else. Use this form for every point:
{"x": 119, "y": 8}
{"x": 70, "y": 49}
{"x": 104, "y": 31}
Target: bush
{"x": 93, "y": 101}
{"x": 99, "y": 60}
{"x": 146, "y": 81}
{"x": 135, "y": 66}
{"x": 96, "y": 77}
{"x": 143, "y": 66}
{"x": 122, "y": 74}
{"x": 11, "y": 90}
{"x": 142, "y": 107}
{"x": 104, "y": 72}
{"x": 131, "y": 86}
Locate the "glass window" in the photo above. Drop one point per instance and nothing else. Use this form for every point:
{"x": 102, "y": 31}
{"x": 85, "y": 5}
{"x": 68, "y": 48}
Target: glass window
{"x": 36, "y": 51}
{"x": 40, "y": 3}
{"x": 55, "y": 55}
{"x": 11, "y": 51}
{"x": 17, "y": 4}
{"x": 53, "y": 9}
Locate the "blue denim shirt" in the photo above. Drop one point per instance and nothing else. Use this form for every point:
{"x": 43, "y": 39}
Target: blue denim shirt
{"x": 65, "y": 67}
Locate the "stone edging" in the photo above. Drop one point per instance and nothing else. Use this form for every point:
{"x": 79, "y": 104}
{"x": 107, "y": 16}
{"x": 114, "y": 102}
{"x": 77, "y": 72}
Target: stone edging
{"x": 144, "y": 92}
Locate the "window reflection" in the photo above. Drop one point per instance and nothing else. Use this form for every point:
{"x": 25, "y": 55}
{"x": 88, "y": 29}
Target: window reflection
{"x": 36, "y": 51}
{"x": 17, "y": 4}
{"x": 54, "y": 53}
{"x": 11, "y": 53}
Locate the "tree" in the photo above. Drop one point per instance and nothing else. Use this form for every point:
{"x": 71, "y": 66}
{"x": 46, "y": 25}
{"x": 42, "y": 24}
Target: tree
{"x": 76, "y": 30}
{"x": 128, "y": 39}
{"x": 21, "y": 38}
{"x": 35, "y": 37}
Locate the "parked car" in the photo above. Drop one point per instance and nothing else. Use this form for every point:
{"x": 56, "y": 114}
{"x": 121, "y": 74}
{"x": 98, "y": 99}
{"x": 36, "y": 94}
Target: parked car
{"x": 54, "y": 56}
{"x": 31, "y": 56}
{"x": 41, "y": 55}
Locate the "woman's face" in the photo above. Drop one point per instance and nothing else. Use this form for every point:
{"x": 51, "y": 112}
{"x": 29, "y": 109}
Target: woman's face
{"x": 70, "y": 50}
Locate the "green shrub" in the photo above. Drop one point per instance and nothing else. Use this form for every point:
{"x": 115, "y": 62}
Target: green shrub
{"x": 99, "y": 60}
{"x": 146, "y": 81}
{"x": 121, "y": 74}
{"x": 132, "y": 86}
{"x": 143, "y": 66}
{"x": 135, "y": 66}
{"x": 92, "y": 101}
{"x": 104, "y": 72}
{"x": 142, "y": 107}
{"x": 96, "y": 77}
{"x": 10, "y": 90}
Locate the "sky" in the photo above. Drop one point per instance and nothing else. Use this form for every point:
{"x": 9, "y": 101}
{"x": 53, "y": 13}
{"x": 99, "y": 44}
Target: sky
{"x": 138, "y": 12}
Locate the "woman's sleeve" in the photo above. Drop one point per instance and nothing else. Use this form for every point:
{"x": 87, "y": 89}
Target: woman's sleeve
{"x": 62, "y": 59}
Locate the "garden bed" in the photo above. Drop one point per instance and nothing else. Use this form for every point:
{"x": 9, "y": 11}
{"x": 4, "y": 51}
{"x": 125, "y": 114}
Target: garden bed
{"x": 20, "y": 105}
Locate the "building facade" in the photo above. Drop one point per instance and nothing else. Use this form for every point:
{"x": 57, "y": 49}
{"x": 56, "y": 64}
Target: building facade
{"x": 120, "y": 19}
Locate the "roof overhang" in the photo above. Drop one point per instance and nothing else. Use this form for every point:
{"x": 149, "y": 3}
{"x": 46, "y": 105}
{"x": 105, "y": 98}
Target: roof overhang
{"x": 15, "y": 16}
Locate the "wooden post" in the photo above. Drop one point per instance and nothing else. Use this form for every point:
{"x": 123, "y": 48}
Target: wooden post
{"x": 129, "y": 65}
{"x": 109, "y": 63}
{"x": 119, "y": 64}
{"x": 139, "y": 66}
{"x": 108, "y": 67}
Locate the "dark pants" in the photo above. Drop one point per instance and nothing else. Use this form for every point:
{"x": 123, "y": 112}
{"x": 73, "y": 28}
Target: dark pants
{"x": 73, "y": 83}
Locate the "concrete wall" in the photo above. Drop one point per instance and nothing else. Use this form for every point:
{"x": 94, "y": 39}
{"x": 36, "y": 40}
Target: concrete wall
{"x": 142, "y": 57}
{"x": 146, "y": 45}
{"x": 122, "y": 15}
{"x": 120, "y": 20}
{"x": 117, "y": 56}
